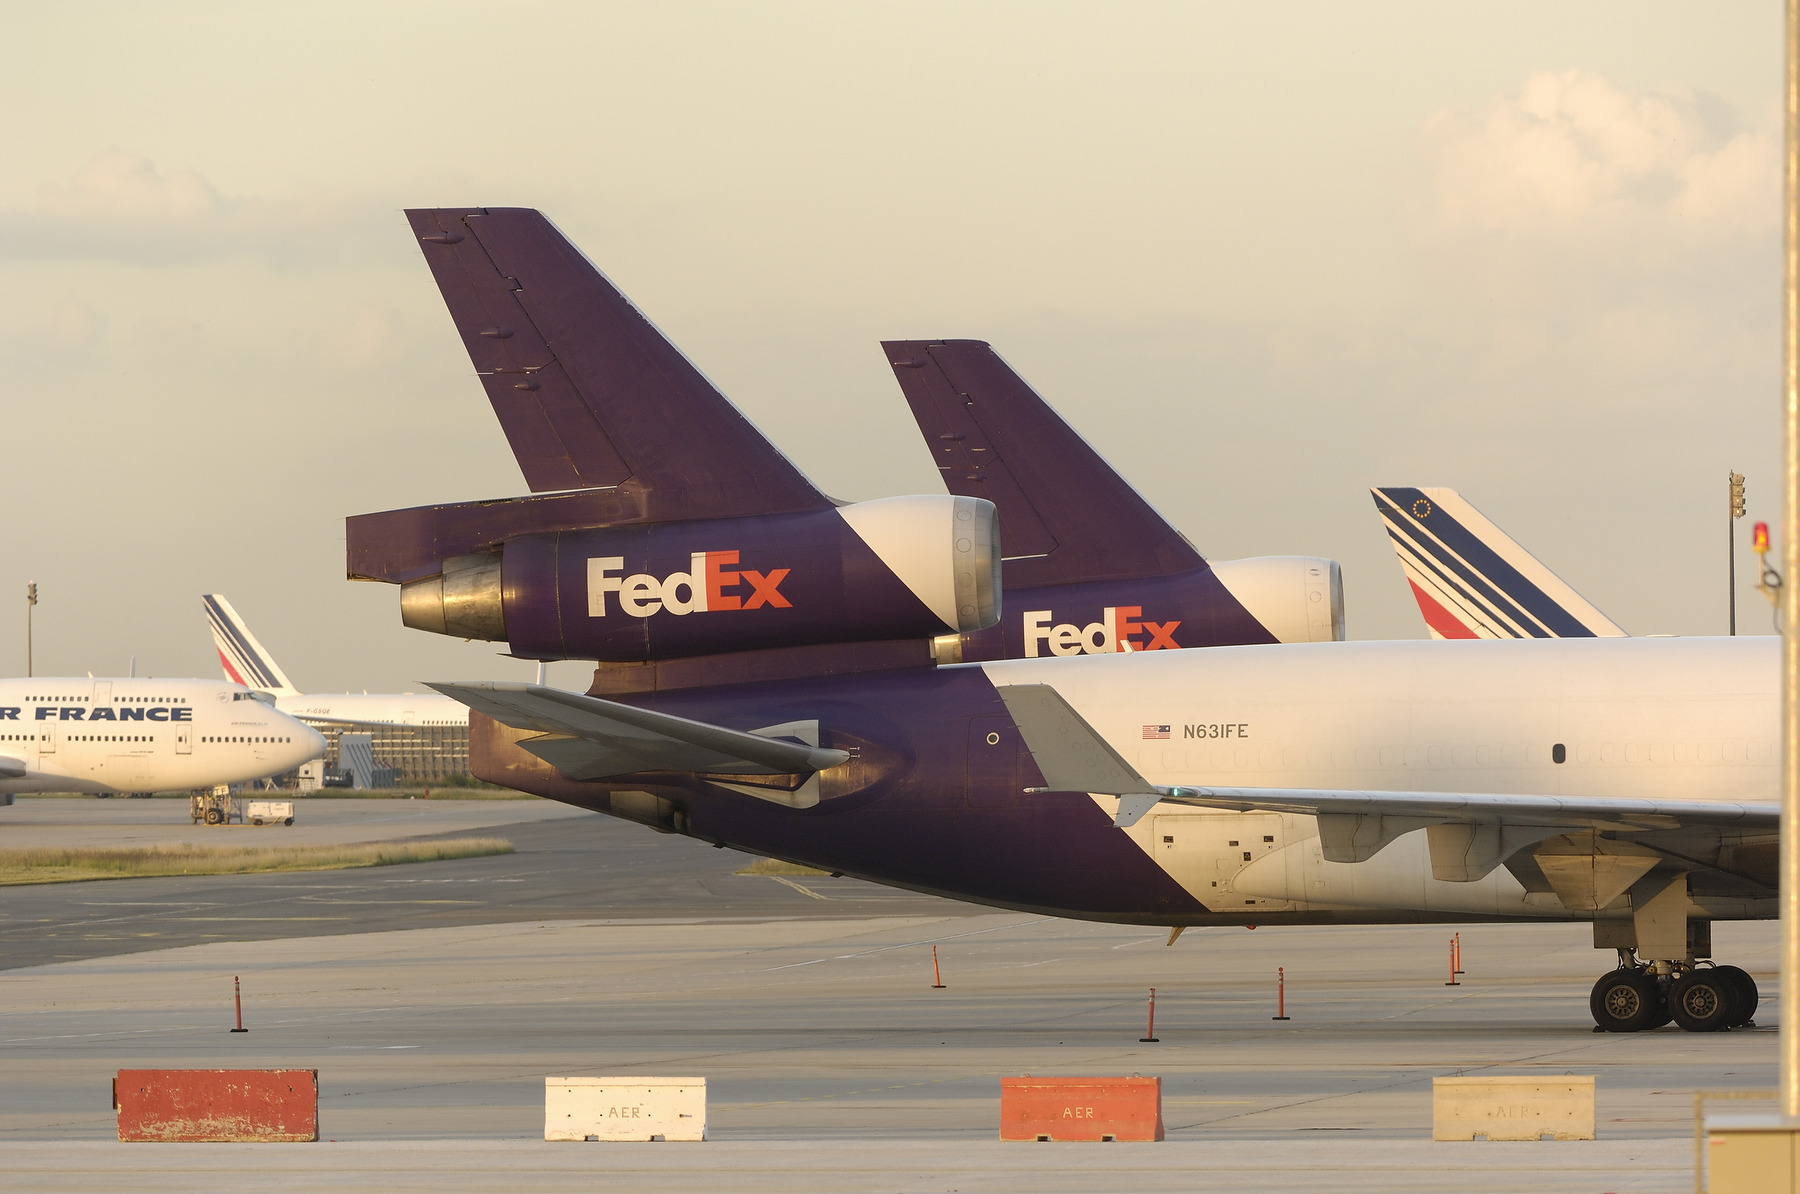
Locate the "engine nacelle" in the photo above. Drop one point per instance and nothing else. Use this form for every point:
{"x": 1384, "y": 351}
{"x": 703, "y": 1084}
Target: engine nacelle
{"x": 1298, "y": 599}
{"x": 895, "y": 568}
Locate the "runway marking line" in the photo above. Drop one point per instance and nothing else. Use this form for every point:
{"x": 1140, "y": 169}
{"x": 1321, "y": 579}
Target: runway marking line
{"x": 802, "y": 889}
{"x": 863, "y": 953}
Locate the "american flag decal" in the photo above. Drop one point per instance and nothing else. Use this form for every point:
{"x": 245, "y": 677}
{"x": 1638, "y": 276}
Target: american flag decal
{"x": 1155, "y": 733}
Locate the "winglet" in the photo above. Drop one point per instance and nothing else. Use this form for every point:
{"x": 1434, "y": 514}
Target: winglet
{"x": 1072, "y": 755}
{"x": 1066, "y": 516}
{"x": 1472, "y": 580}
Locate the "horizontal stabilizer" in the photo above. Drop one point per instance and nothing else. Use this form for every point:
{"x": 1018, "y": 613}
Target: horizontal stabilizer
{"x": 1472, "y": 580}
{"x": 589, "y": 392}
{"x": 1066, "y": 516}
{"x": 590, "y": 738}
{"x": 1071, "y": 756}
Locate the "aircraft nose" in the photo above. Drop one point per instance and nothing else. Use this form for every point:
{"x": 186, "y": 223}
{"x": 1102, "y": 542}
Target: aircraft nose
{"x": 309, "y": 744}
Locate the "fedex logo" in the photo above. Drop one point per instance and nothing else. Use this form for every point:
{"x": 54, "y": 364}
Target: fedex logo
{"x": 707, "y": 585}
{"x": 1117, "y": 630}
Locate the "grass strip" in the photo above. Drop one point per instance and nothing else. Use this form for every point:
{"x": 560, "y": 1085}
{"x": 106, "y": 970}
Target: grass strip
{"x": 55, "y": 864}
{"x": 774, "y": 866}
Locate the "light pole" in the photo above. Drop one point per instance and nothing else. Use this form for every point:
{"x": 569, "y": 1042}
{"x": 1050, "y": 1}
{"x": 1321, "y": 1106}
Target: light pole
{"x": 1789, "y": 878}
{"x": 1737, "y": 512}
{"x": 30, "y": 604}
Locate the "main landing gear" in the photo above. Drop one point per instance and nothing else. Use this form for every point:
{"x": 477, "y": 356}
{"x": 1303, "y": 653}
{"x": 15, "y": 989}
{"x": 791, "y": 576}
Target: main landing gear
{"x": 1643, "y": 995}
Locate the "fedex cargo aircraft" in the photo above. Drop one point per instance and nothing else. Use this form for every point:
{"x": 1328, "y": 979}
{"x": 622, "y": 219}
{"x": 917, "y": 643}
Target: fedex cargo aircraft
{"x": 119, "y": 736}
{"x": 660, "y": 507}
{"x": 1627, "y": 783}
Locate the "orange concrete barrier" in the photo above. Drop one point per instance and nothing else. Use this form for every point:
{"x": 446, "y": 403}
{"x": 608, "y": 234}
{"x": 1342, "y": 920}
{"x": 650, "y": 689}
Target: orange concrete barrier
{"x": 217, "y": 1105}
{"x": 1081, "y": 1109}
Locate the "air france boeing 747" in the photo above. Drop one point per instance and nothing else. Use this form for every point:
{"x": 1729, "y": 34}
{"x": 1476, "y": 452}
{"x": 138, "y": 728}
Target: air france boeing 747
{"x": 119, "y": 736}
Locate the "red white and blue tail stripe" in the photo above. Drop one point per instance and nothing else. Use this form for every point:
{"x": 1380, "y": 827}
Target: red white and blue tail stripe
{"x": 244, "y": 660}
{"x": 1472, "y": 581}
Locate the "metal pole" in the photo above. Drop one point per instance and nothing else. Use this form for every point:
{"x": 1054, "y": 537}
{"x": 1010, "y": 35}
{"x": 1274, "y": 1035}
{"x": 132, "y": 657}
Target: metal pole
{"x": 1790, "y": 589}
{"x": 1734, "y": 491}
{"x": 30, "y": 604}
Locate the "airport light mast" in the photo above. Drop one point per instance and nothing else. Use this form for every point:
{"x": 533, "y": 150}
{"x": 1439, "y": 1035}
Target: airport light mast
{"x": 1737, "y": 512}
{"x": 30, "y": 604}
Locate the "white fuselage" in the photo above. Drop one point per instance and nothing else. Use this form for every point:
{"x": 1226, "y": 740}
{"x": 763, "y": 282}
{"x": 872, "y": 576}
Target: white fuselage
{"x": 1678, "y": 719}
{"x": 374, "y": 708}
{"x": 129, "y": 735}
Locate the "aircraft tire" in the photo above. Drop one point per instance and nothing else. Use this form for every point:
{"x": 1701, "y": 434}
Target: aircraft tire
{"x": 1626, "y": 1001}
{"x": 1704, "y": 1000}
{"x": 1747, "y": 994}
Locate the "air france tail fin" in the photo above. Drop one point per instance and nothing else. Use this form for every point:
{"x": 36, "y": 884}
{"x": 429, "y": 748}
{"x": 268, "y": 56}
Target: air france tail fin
{"x": 244, "y": 660}
{"x": 589, "y": 392}
{"x": 1472, "y": 581}
{"x": 1065, "y": 514}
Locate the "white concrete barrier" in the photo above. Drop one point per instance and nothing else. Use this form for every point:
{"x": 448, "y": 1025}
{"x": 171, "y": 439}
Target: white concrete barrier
{"x": 1751, "y": 1154}
{"x": 624, "y": 1108}
{"x": 1507, "y": 1108}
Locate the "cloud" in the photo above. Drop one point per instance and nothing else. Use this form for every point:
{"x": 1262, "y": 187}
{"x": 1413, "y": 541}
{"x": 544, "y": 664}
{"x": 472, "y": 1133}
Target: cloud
{"x": 122, "y": 207}
{"x": 1572, "y": 156}
{"x": 117, "y": 188}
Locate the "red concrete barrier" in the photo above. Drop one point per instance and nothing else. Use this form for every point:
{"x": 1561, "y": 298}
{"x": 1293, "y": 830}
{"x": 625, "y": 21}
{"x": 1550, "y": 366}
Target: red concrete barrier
{"x": 1081, "y": 1109}
{"x": 215, "y": 1105}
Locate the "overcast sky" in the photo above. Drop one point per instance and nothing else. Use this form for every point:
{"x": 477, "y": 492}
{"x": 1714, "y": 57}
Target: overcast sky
{"x": 1262, "y": 256}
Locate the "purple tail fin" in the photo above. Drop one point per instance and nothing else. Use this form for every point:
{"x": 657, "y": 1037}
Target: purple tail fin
{"x": 589, "y": 393}
{"x": 1065, "y": 515}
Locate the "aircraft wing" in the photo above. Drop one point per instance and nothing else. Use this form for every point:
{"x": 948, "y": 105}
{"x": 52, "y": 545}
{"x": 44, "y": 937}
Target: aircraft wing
{"x": 590, "y": 738}
{"x": 1469, "y": 834}
{"x": 12, "y": 768}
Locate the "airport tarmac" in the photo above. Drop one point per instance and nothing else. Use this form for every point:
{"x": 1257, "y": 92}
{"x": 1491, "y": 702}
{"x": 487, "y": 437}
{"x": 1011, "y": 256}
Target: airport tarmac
{"x": 833, "y": 1064}
{"x": 570, "y": 864}
{"x": 318, "y": 821}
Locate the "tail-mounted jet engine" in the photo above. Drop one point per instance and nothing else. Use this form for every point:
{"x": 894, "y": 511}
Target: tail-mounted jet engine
{"x": 895, "y": 568}
{"x": 1299, "y": 599}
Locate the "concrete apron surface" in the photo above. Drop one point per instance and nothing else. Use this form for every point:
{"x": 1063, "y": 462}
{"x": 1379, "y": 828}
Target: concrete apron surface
{"x": 318, "y": 821}
{"x": 832, "y": 1063}
{"x": 924, "y": 1164}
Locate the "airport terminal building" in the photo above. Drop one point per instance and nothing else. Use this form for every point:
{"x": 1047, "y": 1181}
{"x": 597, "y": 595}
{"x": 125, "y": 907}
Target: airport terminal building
{"x": 408, "y": 755}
